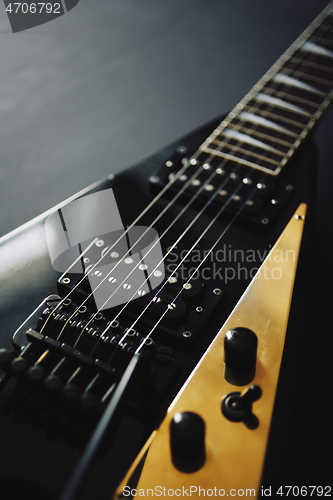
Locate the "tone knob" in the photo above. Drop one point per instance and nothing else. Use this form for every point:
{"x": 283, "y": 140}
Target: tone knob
{"x": 240, "y": 349}
{"x": 187, "y": 441}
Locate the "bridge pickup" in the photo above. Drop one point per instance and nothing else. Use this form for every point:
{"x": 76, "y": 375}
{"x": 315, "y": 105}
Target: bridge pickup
{"x": 184, "y": 306}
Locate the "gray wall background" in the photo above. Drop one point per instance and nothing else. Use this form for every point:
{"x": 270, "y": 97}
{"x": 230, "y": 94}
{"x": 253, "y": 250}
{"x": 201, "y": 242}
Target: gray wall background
{"x": 111, "y": 81}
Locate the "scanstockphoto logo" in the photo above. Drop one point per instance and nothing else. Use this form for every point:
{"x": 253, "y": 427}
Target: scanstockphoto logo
{"x": 87, "y": 236}
{"x": 31, "y": 13}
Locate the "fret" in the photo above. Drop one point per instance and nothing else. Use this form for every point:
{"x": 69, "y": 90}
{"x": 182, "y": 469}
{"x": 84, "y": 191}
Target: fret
{"x": 291, "y": 92}
{"x": 271, "y": 140}
{"x": 271, "y": 121}
{"x": 238, "y": 150}
{"x": 260, "y": 120}
{"x": 294, "y": 82}
{"x": 324, "y": 34}
{"x": 310, "y": 65}
{"x": 300, "y": 74}
{"x": 326, "y": 25}
{"x": 316, "y": 58}
{"x": 262, "y": 167}
{"x": 245, "y": 123}
{"x": 280, "y": 103}
{"x": 314, "y": 45}
{"x": 311, "y": 75}
{"x": 278, "y": 115}
{"x": 238, "y": 142}
{"x": 292, "y": 98}
{"x": 255, "y": 124}
{"x": 239, "y": 136}
{"x": 327, "y": 34}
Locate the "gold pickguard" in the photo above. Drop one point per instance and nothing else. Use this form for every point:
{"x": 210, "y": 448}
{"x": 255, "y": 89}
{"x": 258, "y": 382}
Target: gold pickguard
{"x": 234, "y": 453}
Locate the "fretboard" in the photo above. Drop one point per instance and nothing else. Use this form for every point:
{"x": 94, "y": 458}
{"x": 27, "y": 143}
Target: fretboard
{"x": 264, "y": 130}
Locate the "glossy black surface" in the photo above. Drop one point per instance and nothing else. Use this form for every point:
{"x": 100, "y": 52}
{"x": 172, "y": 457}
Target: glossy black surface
{"x": 163, "y": 53}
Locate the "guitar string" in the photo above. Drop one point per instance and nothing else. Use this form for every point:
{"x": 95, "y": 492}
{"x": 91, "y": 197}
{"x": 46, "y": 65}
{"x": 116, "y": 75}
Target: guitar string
{"x": 128, "y": 329}
{"x": 147, "y": 208}
{"x": 170, "y": 204}
{"x": 142, "y": 285}
{"x": 196, "y": 155}
{"x": 133, "y": 223}
{"x": 91, "y": 319}
{"x": 82, "y": 473}
{"x": 141, "y": 345}
{"x": 118, "y": 345}
{"x": 135, "y": 293}
{"x": 222, "y": 144}
{"x": 120, "y": 342}
{"x": 214, "y": 174}
{"x": 179, "y": 173}
{"x": 143, "y": 342}
{"x": 314, "y": 27}
{"x": 182, "y": 235}
{"x": 207, "y": 181}
{"x": 207, "y": 253}
{"x": 156, "y": 324}
{"x": 118, "y": 240}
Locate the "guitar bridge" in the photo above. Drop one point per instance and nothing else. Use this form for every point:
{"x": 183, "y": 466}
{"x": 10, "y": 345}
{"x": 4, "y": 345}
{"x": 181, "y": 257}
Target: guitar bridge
{"x": 51, "y": 378}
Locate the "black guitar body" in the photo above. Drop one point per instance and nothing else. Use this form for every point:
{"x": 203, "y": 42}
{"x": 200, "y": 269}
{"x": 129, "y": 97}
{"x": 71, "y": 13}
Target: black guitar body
{"x": 38, "y": 452}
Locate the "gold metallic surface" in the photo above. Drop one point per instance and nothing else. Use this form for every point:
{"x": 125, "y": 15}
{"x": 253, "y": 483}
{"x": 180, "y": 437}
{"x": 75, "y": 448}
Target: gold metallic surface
{"x": 42, "y": 357}
{"x": 234, "y": 453}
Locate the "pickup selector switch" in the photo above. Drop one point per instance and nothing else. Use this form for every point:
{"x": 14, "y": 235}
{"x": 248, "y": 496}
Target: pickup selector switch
{"x": 187, "y": 441}
{"x": 240, "y": 350}
{"x": 237, "y": 406}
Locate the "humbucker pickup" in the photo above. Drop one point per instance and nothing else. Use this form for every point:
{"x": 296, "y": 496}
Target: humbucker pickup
{"x": 185, "y": 305}
{"x": 232, "y": 186}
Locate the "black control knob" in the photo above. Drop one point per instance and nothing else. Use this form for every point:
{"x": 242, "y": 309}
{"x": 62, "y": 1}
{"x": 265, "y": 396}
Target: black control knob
{"x": 187, "y": 441}
{"x": 240, "y": 349}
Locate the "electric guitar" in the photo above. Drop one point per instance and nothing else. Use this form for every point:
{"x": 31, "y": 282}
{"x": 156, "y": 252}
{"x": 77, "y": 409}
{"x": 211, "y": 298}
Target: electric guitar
{"x": 154, "y": 326}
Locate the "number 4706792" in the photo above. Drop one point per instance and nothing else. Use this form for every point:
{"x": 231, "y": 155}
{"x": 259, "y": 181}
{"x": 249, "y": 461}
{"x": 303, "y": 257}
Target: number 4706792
{"x": 33, "y": 8}
{"x": 295, "y": 491}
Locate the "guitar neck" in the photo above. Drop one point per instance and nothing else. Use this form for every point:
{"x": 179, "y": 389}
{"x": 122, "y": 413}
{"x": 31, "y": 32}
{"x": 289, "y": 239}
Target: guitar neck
{"x": 268, "y": 125}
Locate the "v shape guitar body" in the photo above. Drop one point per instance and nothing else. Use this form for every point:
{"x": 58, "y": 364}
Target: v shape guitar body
{"x": 34, "y": 447}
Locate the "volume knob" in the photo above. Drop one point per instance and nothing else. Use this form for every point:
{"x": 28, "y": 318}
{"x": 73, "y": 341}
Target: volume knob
{"x": 187, "y": 441}
{"x": 240, "y": 353}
